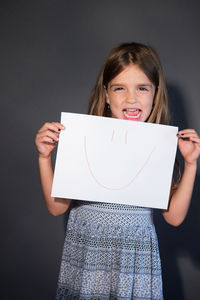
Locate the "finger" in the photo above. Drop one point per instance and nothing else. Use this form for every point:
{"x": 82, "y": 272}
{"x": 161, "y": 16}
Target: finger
{"x": 50, "y": 134}
{"x": 59, "y": 125}
{"x": 188, "y": 134}
{"x": 195, "y": 139}
{"x": 54, "y": 126}
{"x": 48, "y": 131}
{"x": 184, "y": 131}
{"x": 46, "y": 139}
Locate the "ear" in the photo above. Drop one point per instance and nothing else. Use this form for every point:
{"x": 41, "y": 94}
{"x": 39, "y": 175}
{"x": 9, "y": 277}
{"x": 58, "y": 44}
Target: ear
{"x": 107, "y": 97}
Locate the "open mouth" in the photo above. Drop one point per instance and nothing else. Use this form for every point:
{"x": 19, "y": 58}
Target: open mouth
{"x": 133, "y": 114}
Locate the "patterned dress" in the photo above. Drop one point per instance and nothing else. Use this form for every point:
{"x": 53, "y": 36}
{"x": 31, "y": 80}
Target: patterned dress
{"x": 110, "y": 252}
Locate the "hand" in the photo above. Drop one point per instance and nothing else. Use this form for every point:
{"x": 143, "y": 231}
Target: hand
{"x": 189, "y": 145}
{"x": 47, "y": 138}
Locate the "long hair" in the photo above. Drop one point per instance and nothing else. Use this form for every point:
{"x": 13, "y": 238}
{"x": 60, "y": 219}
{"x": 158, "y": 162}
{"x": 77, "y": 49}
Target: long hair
{"x": 146, "y": 58}
{"x": 119, "y": 58}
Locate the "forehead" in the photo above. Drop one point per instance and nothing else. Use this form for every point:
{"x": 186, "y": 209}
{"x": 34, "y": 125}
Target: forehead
{"x": 131, "y": 74}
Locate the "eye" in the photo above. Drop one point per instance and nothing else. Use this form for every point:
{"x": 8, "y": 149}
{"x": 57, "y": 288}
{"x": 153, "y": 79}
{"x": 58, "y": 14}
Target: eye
{"x": 143, "y": 89}
{"x": 118, "y": 89}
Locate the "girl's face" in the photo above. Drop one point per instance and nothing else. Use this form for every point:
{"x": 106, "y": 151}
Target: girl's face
{"x": 130, "y": 95}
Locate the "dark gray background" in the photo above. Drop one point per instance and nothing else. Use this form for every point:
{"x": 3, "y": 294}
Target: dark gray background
{"x": 50, "y": 54}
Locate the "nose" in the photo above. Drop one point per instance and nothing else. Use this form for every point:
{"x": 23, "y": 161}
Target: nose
{"x": 131, "y": 96}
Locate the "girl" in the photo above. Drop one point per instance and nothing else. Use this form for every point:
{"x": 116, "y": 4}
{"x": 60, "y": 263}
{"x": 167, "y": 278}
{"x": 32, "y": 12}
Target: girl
{"x": 111, "y": 250}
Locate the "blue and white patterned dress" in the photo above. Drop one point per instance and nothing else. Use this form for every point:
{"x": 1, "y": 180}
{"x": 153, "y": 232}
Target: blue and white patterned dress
{"x": 110, "y": 252}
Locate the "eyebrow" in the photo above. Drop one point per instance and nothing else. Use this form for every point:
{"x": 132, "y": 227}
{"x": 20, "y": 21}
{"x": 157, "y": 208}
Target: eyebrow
{"x": 146, "y": 84}
{"x": 139, "y": 84}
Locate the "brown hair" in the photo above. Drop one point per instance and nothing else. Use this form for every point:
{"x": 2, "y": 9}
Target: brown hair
{"x": 119, "y": 58}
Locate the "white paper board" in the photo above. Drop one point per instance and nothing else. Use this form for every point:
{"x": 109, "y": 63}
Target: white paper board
{"x": 111, "y": 160}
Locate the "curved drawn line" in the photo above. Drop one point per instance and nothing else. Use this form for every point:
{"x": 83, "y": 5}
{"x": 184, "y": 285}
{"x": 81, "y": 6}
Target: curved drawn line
{"x": 112, "y": 136}
{"x": 124, "y": 186}
{"x": 126, "y": 137}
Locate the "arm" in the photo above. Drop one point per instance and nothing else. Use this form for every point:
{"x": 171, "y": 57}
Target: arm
{"x": 46, "y": 140}
{"x": 180, "y": 200}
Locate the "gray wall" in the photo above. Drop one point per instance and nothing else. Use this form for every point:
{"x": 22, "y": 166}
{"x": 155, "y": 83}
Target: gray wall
{"x": 50, "y": 54}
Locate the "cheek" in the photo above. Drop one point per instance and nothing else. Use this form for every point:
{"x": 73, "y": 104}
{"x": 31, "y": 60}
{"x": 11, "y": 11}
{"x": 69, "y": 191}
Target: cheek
{"x": 149, "y": 100}
{"x": 146, "y": 101}
{"x": 148, "y": 105}
{"x": 114, "y": 101}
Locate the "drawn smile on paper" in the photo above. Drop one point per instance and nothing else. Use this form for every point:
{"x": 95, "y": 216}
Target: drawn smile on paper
{"x": 92, "y": 172}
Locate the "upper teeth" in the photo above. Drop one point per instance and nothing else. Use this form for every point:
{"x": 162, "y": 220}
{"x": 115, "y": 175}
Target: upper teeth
{"x": 132, "y": 113}
{"x": 132, "y": 109}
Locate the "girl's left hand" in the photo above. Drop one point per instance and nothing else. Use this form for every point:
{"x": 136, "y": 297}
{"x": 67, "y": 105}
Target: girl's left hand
{"x": 189, "y": 145}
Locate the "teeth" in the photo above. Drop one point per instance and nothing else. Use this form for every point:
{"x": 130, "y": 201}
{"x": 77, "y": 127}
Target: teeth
{"x": 133, "y": 117}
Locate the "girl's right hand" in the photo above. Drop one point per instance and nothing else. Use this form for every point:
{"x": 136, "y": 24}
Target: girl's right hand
{"x": 47, "y": 138}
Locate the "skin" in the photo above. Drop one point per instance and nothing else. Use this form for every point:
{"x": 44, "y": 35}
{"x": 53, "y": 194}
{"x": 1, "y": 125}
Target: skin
{"x": 130, "y": 89}
{"x": 180, "y": 201}
{"x": 46, "y": 140}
